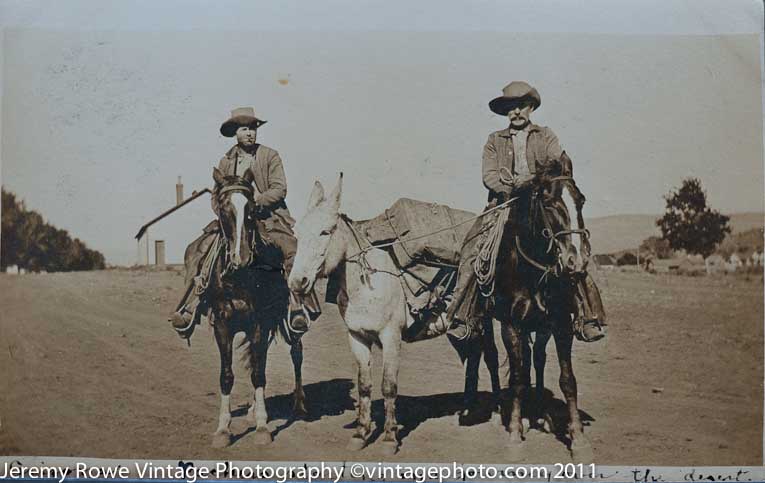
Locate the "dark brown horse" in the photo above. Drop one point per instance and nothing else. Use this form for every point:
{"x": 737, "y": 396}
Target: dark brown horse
{"x": 247, "y": 293}
{"x": 538, "y": 269}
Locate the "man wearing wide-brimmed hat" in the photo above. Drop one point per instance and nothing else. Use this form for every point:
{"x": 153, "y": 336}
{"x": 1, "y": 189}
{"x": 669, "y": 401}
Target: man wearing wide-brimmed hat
{"x": 267, "y": 170}
{"x": 520, "y": 150}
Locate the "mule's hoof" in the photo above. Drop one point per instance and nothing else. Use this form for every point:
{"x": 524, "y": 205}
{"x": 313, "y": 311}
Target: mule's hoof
{"x": 221, "y": 439}
{"x": 390, "y": 447}
{"x": 581, "y": 452}
{"x": 356, "y": 443}
{"x": 496, "y": 419}
{"x": 299, "y": 410}
{"x": 263, "y": 436}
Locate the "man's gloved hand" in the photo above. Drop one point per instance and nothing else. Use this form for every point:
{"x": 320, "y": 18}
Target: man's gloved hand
{"x": 261, "y": 209}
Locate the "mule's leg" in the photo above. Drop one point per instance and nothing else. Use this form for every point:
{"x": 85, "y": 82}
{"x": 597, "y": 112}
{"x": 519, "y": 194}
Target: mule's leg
{"x": 491, "y": 359}
{"x": 298, "y": 407}
{"x": 581, "y": 450}
{"x": 223, "y": 337}
{"x": 511, "y": 336}
{"x": 362, "y": 351}
{"x": 391, "y": 347}
{"x": 258, "y": 358}
{"x": 540, "y": 359}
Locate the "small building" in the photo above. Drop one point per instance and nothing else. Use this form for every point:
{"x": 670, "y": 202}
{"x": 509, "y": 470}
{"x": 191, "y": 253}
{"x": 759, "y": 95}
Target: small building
{"x": 604, "y": 260}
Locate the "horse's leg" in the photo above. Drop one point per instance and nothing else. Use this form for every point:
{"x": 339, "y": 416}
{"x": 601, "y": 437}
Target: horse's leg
{"x": 258, "y": 357}
{"x": 512, "y": 338}
{"x": 390, "y": 339}
{"x": 526, "y": 373}
{"x": 223, "y": 337}
{"x": 581, "y": 450}
{"x": 298, "y": 407}
{"x": 491, "y": 359}
{"x": 472, "y": 363}
{"x": 540, "y": 359}
{"x": 362, "y": 351}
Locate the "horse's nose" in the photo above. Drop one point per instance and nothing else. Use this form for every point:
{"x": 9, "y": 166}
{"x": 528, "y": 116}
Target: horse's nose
{"x": 571, "y": 262}
{"x": 298, "y": 283}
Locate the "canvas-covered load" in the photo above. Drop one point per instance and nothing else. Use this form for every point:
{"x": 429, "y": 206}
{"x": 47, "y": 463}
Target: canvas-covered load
{"x": 414, "y": 223}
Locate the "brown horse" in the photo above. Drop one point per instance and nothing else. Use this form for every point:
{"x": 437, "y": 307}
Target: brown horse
{"x": 247, "y": 293}
{"x": 537, "y": 272}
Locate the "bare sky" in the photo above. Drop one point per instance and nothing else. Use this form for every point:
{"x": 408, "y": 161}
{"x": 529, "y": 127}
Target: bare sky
{"x": 97, "y": 125}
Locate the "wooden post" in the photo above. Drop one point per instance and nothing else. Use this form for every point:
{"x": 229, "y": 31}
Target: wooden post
{"x": 159, "y": 253}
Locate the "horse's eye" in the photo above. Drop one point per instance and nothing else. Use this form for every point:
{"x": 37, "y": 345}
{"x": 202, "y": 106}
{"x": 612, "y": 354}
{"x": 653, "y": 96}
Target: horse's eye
{"x": 326, "y": 232}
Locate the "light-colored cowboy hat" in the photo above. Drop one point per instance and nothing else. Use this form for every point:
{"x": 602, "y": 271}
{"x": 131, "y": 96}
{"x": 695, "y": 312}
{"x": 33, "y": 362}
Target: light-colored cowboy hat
{"x": 512, "y": 93}
{"x": 241, "y": 116}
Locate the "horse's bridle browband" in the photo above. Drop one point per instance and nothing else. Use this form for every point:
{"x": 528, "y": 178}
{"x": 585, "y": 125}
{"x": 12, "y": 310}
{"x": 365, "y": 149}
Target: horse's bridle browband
{"x": 236, "y": 187}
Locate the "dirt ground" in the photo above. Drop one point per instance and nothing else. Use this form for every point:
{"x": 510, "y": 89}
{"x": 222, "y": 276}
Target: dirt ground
{"x": 89, "y": 367}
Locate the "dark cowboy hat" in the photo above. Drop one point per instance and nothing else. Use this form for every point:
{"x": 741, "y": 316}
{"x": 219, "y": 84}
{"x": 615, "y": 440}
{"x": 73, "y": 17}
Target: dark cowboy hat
{"x": 241, "y": 116}
{"x": 513, "y": 93}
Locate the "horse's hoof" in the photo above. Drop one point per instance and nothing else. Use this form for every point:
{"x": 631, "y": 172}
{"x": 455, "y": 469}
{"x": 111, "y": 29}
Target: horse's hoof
{"x": 221, "y": 439}
{"x": 547, "y": 424}
{"x": 356, "y": 443}
{"x": 581, "y": 452}
{"x": 263, "y": 436}
{"x": 390, "y": 448}
{"x": 496, "y": 419}
{"x": 467, "y": 418}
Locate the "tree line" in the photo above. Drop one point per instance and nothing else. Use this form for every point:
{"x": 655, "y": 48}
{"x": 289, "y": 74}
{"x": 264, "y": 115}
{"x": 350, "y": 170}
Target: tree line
{"x": 31, "y": 243}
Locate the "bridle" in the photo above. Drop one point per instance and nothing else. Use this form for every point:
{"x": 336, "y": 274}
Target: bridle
{"x": 554, "y": 237}
{"x": 238, "y": 186}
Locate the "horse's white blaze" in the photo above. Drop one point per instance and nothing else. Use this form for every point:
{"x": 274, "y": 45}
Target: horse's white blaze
{"x": 224, "y": 419}
{"x": 239, "y": 200}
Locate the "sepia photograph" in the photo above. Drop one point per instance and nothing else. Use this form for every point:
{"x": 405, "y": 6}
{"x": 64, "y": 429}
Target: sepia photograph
{"x": 462, "y": 233}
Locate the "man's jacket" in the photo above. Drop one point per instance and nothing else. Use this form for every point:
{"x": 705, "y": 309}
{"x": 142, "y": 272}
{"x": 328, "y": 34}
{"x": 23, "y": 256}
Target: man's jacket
{"x": 269, "y": 178}
{"x": 542, "y": 148}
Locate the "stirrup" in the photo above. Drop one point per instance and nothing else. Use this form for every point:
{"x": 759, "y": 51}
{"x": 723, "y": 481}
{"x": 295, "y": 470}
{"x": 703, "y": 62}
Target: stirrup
{"x": 467, "y": 336}
{"x": 579, "y": 330}
{"x": 186, "y": 331}
{"x": 305, "y": 313}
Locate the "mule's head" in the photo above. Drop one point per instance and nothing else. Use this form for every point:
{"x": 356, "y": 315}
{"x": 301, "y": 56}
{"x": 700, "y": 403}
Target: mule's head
{"x": 314, "y": 233}
{"x": 234, "y": 197}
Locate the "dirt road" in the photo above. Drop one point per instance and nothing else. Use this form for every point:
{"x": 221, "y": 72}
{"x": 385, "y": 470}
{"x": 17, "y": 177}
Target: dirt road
{"x": 89, "y": 367}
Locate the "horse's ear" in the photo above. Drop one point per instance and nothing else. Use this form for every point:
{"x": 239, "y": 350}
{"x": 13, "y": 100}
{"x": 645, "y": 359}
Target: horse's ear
{"x": 248, "y": 176}
{"x": 334, "y": 198}
{"x": 218, "y": 177}
{"x": 317, "y": 195}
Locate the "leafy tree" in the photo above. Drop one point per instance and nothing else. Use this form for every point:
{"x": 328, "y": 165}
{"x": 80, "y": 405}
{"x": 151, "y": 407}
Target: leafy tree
{"x": 656, "y": 245}
{"x": 627, "y": 258}
{"x": 689, "y": 224}
{"x": 29, "y": 242}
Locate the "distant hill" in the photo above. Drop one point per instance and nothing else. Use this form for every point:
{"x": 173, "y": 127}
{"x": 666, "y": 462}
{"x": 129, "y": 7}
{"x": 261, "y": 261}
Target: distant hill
{"x": 621, "y": 232}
